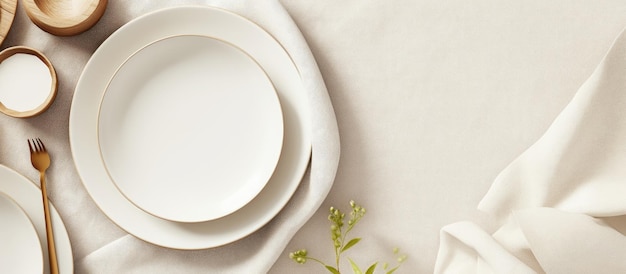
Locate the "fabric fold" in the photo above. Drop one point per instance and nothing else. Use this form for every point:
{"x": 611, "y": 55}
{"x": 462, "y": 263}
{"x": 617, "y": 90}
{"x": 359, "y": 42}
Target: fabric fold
{"x": 566, "y": 242}
{"x": 577, "y": 165}
{"x": 551, "y": 200}
{"x": 466, "y": 248}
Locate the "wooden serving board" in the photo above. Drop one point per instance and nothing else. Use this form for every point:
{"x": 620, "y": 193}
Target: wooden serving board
{"x": 7, "y": 13}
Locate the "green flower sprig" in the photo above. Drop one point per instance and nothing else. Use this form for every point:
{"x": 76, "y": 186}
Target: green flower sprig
{"x": 338, "y": 236}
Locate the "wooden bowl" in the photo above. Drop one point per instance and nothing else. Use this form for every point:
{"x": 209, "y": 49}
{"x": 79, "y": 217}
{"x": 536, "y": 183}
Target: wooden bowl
{"x": 7, "y": 13}
{"x": 65, "y": 17}
{"x": 53, "y": 86}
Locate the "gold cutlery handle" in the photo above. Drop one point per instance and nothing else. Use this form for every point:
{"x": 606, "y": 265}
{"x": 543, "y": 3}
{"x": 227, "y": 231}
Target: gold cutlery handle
{"x": 52, "y": 254}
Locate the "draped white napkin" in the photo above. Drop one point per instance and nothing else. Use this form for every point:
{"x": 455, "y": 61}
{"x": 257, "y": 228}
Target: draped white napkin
{"x": 561, "y": 203}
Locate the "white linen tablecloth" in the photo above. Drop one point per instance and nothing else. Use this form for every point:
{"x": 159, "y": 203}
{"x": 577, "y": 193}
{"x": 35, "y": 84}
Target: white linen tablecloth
{"x": 433, "y": 100}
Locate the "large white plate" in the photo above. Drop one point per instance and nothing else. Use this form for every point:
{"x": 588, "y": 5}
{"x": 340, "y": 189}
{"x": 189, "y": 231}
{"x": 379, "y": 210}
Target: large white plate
{"x": 20, "y": 251}
{"x": 190, "y": 128}
{"x": 28, "y": 196}
{"x": 216, "y": 23}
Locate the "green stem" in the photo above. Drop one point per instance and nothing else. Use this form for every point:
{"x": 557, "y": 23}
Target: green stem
{"x": 338, "y": 250}
{"x": 337, "y": 255}
{"x": 315, "y": 260}
{"x": 343, "y": 241}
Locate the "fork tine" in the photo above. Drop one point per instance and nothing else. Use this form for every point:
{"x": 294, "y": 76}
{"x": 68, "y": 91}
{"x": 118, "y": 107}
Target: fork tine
{"x": 30, "y": 146}
{"x": 35, "y": 145}
{"x": 42, "y": 148}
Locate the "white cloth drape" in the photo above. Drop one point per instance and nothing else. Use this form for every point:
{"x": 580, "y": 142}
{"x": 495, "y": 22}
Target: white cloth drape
{"x": 562, "y": 202}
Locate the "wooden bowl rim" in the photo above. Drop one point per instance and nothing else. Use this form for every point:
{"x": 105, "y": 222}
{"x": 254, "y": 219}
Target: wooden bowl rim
{"x": 65, "y": 26}
{"x": 7, "y": 15}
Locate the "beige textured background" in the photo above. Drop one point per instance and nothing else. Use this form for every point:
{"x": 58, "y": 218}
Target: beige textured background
{"x": 432, "y": 99}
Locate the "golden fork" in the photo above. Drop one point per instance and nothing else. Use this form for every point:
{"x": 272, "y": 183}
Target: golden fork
{"x": 40, "y": 159}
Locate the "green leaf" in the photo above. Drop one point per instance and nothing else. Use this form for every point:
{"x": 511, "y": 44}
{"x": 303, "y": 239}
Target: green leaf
{"x": 371, "y": 269}
{"x": 392, "y": 270}
{"x": 350, "y": 244}
{"x": 332, "y": 269}
{"x": 355, "y": 268}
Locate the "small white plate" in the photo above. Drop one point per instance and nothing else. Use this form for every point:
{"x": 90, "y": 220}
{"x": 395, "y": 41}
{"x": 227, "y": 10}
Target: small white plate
{"x": 190, "y": 128}
{"x": 28, "y": 196}
{"x": 20, "y": 250}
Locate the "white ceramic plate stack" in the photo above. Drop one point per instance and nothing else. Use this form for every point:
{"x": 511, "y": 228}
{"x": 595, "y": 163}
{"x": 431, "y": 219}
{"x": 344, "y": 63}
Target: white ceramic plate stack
{"x": 189, "y": 127}
{"x": 23, "y": 231}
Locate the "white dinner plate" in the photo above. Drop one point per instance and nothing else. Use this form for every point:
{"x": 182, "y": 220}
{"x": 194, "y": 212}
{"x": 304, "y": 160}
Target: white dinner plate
{"x": 190, "y": 128}
{"x": 223, "y": 25}
{"x": 20, "y": 250}
{"x": 28, "y": 196}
